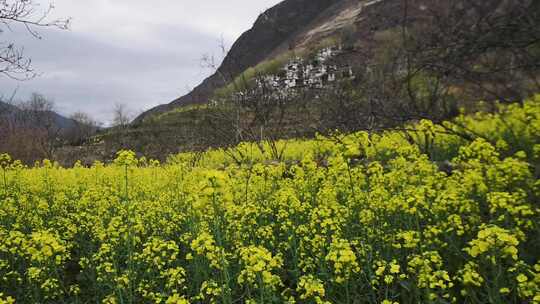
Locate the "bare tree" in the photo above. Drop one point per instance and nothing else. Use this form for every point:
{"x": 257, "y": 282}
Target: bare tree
{"x": 85, "y": 126}
{"x": 26, "y": 14}
{"x": 122, "y": 116}
{"x": 6, "y": 111}
{"x": 29, "y": 129}
{"x": 38, "y": 114}
{"x": 255, "y": 111}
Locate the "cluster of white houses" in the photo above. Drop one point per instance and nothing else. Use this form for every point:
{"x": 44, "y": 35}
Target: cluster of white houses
{"x": 314, "y": 74}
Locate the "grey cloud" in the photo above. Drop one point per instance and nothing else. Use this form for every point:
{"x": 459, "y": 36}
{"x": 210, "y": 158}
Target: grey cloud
{"x": 104, "y": 61}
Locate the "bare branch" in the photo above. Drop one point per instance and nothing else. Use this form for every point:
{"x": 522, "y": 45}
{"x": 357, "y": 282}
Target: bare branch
{"x": 26, "y": 13}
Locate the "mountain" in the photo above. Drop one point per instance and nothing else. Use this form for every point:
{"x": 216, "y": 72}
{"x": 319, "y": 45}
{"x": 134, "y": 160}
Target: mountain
{"x": 287, "y": 25}
{"x": 311, "y": 67}
{"x": 294, "y": 25}
{"x": 7, "y": 108}
{"x": 12, "y": 113}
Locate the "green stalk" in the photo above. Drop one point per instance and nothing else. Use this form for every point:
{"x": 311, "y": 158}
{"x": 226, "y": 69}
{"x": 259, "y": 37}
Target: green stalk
{"x": 347, "y": 292}
{"x": 126, "y": 182}
{"x": 5, "y": 178}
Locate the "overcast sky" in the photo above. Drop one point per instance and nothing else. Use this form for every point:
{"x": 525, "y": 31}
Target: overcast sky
{"x": 141, "y": 53}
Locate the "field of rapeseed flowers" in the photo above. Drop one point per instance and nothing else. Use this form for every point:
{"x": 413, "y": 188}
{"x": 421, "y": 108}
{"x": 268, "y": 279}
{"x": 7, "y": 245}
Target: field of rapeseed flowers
{"x": 432, "y": 214}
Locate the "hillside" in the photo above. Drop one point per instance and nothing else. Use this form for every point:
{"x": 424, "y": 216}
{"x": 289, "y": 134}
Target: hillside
{"x": 14, "y": 114}
{"x": 31, "y": 132}
{"x": 278, "y": 29}
{"x": 313, "y": 67}
{"x": 6, "y": 107}
{"x": 298, "y": 25}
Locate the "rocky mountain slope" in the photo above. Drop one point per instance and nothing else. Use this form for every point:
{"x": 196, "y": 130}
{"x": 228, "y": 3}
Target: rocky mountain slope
{"x": 294, "y": 25}
{"x": 289, "y": 25}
